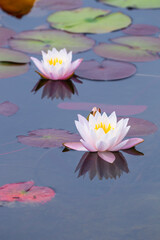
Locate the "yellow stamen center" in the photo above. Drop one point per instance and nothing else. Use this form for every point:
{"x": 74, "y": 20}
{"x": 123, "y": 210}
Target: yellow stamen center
{"x": 54, "y": 61}
{"x": 103, "y": 126}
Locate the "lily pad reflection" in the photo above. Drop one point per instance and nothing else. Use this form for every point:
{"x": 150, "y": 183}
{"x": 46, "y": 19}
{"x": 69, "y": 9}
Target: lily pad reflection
{"x": 56, "y": 89}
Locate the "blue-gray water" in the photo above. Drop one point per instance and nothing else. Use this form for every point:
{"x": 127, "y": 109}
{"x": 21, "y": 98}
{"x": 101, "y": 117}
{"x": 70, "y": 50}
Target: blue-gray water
{"x": 127, "y": 208}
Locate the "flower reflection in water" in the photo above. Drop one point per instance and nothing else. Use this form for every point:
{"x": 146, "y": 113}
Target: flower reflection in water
{"x": 57, "y": 89}
{"x": 95, "y": 165}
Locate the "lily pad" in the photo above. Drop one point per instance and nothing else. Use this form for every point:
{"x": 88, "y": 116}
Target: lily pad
{"x": 12, "y": 63}
{"x": 141, "y": 127}
{"x": 132, "y": 49}
{"x": 124, "y": 110}
{"x": 59, "y": 4}
{"x": 107, "y": 70}
{"x": 11, "y": 56}
{"x": 5, "y": 34}
{"x": 8, "y": 108}
{"x": 48, "y": 138}
{"x": 37, "y": 40}
{"x": 25, "y": 192}
{"x": 141, "y": 30}
{"x": 144, "y": 4}
{"x": 11, "y": 70}
{"x": 89, "y": 20}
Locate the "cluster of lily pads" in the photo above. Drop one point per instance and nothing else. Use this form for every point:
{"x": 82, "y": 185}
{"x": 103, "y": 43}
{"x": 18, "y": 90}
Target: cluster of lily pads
{"x": 100, "y": 135}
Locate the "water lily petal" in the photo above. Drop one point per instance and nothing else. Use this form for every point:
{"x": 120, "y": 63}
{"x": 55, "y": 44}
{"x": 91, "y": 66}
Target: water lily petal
{"x": 132, "y": 142}
{"x": 75, "y": 146}
{"x": 88, "y": 146}
{"x": 39, "y": 65}
{"x": 107, "y": 156}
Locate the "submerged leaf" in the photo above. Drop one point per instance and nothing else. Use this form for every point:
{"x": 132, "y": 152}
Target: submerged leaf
{"x": 37, "y": 40}
{"x": 89, "y": 20}
{"x": 48, "y": 138}
{"x": 107, "y": 70}
{"x": 8, "y": 108}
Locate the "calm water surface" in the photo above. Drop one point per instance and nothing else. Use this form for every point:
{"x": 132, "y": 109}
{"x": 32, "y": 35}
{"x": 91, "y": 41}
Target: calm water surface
{"x": 127, "y": 208}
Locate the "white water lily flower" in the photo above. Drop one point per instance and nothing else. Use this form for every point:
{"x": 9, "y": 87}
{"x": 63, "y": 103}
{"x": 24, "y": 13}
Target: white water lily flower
{"x": 56, "y": 65}
{"x": 103, "y": 134}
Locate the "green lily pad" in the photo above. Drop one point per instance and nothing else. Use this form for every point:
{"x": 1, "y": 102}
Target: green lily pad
{"x": 37, "y": 40}
{"x": 144, "y": 4}
{"x": 130, "y": 48}
{"x": 89, "y": 20}
{"x": 12, "y": 63}
{"x": 8, "y": 55}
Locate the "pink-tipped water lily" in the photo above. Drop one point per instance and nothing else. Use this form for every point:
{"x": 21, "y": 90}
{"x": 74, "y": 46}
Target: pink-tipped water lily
{"x": 56, "y": 65}
{"x": 103, "y": 134}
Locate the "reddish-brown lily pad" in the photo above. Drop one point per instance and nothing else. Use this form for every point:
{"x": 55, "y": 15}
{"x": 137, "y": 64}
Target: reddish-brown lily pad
{"x": 25, "y": 192}
{"x": 130, "y": 52}
{"x": 124, "y": 110}
{"x": 59, "y": 4}
{"x": 107, "y": 70}
{"x": 37, "y": 40}
{"x": 48, "y": 138}
{"x": 5, "y": 34}
{"x": 141, "y": 127}
{"x": 8, "y": 108}
{"x": 141, "y": 30}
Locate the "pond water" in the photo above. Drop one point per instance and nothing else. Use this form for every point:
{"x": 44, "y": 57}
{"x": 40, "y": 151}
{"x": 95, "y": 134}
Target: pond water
{"x": 85, "y": 207}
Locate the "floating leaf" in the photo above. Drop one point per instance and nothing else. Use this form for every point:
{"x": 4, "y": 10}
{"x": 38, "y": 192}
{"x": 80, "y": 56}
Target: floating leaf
{"x": 8, "y": 108}
{"x": 37, "y": 40}
{"x": 133, "y": 3}
{"x": 12, "y": 63}
{"x": 107, "y": 70}
{"x": 48, "y": 138}
{"x": 128, "y": 52}
{"x": 141, "y": 30}
{"x": 5, "y": 34}
{"x": 11, "y": 56}
{"x": 89, "y": 20}
{"x": 150, "y": 44}
{"x": 18, "y": 9}
{"x": 25, "y": 192}
{"x": 141, "y": 127}
{"x": 124, "y": 110}
{"x": 59, "y": 4}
